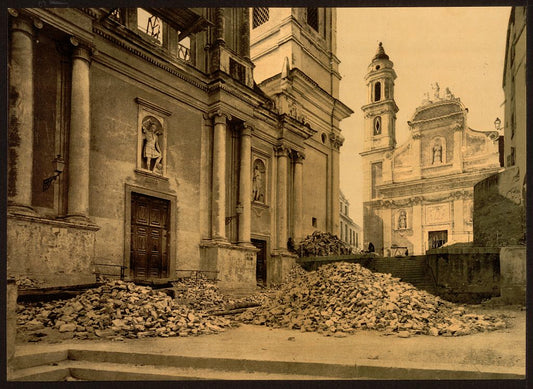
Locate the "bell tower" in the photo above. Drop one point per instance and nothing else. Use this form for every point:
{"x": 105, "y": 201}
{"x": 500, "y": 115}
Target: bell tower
{"x": 379, "y": 140}
{"x": 380, "y": 112}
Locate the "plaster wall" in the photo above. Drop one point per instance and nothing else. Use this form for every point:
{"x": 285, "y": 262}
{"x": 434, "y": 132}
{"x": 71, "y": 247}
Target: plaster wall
{"x": 50, "y": 252}
{"x": 114, "y": 153}
{"x": 314, "y": 191}
{"x": 513, "y": 274}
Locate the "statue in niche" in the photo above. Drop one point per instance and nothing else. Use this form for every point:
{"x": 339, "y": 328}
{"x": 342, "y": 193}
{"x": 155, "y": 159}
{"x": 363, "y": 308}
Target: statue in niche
{"x": 402, "y": 220}
{"x": 437, "y": 153}
{"x": 449, "y": 94}
{"x": 152, "y": 130}
{"x": 258, "y": 186}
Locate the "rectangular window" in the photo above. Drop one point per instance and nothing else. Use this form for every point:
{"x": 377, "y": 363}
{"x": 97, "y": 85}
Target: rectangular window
{"x": 313, "y": 221}
{"x": 376, "y": 178}
{"x": 260, "y": 15}
{"x": 150, "y": 25}
{"x": 312, "y": 18}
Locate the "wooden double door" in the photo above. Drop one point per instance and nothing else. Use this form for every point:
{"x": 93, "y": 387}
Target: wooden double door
{"x": 150, "y": 233}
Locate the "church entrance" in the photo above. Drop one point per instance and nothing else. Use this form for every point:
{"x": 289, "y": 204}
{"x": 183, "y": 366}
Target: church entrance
{"x": 260, "y": 269}
{"x": 149, "y": 237}
{"x": 437, "y": 238}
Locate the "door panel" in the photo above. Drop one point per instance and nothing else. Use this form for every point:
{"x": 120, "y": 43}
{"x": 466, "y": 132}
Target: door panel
{"x": 149, "y": 240}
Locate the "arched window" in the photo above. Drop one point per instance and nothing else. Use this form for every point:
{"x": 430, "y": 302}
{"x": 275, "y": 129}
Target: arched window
{"x": 377, "y": 125}
{"x": 377, "y": 91}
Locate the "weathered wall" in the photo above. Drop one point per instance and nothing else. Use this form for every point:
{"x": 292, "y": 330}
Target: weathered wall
{"x": 315, "y": 177}
{"x": 235, "y": 265}
{"x": 467, "y": 274}
{"x": 513, "y": 274}
{"x": 499, "y": 216}
{"x": 11, "y": 323}
{"x": 279, "y": 267}
{"x": 114, "y": 143}
{"x": 50, "y": 252}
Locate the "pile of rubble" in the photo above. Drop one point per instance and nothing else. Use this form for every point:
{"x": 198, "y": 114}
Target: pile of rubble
{"x": 202, "y": 294}
{"x": 343, "y": 297}
{"x": 24, "y": 282}
{"x": 120, "y": 310}
{"x": 322, "y": 244}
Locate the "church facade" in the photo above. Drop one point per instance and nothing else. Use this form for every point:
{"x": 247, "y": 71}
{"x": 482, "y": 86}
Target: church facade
{"x": 140, "y": 143}
{"x": 419, "y": 195}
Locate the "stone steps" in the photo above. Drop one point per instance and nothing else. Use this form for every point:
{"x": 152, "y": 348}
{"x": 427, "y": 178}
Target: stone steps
{"x": 92, "y": 365}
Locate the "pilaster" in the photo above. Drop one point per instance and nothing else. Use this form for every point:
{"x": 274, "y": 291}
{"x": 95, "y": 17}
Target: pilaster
{"x": 282, "y": 156}
{"x": 245, "y": 186}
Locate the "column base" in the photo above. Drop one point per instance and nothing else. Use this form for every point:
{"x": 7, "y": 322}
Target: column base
{"x": 78, "y": 218}
{"x": 20, "y": 209}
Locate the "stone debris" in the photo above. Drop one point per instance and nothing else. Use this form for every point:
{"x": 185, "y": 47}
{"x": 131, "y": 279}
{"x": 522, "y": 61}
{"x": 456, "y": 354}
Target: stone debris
{"x": 24, "y": 282}
{"x": 323, "y": 244}
{"x": 343, "y": 297}
{"x": 119, "y": 310}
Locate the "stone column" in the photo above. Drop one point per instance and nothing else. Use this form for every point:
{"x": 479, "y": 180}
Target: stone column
{"x": 417, "y": 155}
{"x": 205, "y": 177}
{"x": 245, "y": 186}
{"x": 457, "y": 147}
{"x": 336, "y": 142}
{"x": 80, "y": 128}
{"x": 20, "y": 132}
{"x": 282, "y": 154}
{"x": 219, "y": 177}
{"x": 298, "y": 196}
{"x": 220, "y": 25}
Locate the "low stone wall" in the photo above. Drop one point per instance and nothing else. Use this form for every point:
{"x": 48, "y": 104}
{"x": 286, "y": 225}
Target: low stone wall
{"x": 50, "y": 252}
{"x": 233, "y": 266}
{"x": 466, "y": 274}
{"x": 278, "y": 266}
{"x": 513, "y": 274}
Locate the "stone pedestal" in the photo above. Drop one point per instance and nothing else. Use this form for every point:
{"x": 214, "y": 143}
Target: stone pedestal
{"x": 279, "y": 266}
{"x": 234, "y": 265}
{"x": 513, "y": 274}
{"x": 49, "y": 251}
{"x": 11, "y": 325}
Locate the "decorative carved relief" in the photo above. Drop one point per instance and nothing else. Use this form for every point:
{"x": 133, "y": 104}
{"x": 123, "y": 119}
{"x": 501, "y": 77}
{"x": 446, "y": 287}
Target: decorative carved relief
{"x": 258, "y": 181}
{"x": 436, "y": 214}
{"x": 336, "y": 140}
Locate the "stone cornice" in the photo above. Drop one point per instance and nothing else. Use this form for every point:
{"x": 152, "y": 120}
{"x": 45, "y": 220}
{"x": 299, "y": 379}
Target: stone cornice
{"x": 166, "y": 65}
{"x": 152, "y": 106}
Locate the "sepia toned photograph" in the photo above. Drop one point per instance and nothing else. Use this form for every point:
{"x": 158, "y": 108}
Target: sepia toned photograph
{"x": 266, "y": 193}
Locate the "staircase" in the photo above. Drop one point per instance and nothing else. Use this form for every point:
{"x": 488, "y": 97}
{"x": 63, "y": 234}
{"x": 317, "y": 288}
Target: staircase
{"x": 413, "y": 270}
{"x": 99, "y": 365}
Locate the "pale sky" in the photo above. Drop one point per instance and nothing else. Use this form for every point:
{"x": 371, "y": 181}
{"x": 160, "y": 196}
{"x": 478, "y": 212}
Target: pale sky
{"x": 460, "y": 48}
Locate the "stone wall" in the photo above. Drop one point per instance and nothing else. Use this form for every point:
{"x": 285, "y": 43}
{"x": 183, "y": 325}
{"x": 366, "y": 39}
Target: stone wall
{"x": 51, "y": 252}
{"x": 513, "y": 274}
{"x": 233, "y": 266}
{"x": 466, "y": 274}
{"x": 499, "y": 212}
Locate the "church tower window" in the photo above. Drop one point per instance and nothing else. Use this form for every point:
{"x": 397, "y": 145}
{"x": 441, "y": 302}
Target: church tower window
{"x": 260, "y": 15}
{"x": 377, "y": 91}
{"x": 312, "y": 17}
{"x": 377, "y": 125}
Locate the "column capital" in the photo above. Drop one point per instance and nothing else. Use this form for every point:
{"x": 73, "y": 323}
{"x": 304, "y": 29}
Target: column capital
{"x": 281, "y": 150}
{"x": 82, "y": 50}
{"x": 247, "y": 129}
{"x": 297, "y": 156}
{"x": 337, "y": 140}
{"x": 23, "y": 23}
{"x": 219, "y": 116}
